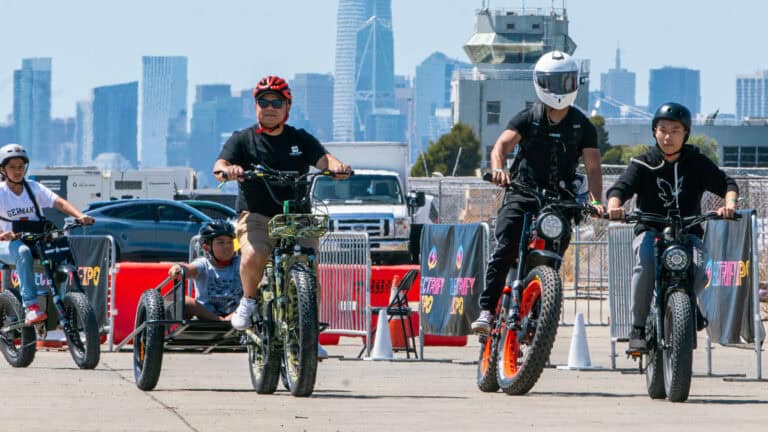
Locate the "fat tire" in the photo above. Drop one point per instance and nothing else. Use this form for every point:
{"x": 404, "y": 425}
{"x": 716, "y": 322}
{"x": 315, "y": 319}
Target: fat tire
{"x": 678, "y": 357}
{"x": 301, "y": 376}
{"x": 537, "y": 355}
{"x": 148, "y": 344}
{"x": 487, "y": 380}
{"x": 654, "y": 370}
{"x": 81, "y": 317}
{"x": 264, "y": 363}
{"x": 11, "y": 311}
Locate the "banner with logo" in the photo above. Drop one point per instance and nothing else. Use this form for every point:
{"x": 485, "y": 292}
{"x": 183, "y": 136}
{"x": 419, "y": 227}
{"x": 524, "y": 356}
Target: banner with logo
{"x": 727, "y": 301}
{"x": 92, "y": 255}
{"x": 452, "y": 277}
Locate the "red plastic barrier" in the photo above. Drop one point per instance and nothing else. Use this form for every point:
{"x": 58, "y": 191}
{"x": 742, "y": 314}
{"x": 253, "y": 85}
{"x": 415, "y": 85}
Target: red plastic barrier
{"x": 381, "y": 283}
{"x": 131, "y": 280}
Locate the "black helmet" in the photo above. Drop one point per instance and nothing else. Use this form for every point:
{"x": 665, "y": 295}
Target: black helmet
{"x": 216, "y": 228}
{"x": 675, "y": 112}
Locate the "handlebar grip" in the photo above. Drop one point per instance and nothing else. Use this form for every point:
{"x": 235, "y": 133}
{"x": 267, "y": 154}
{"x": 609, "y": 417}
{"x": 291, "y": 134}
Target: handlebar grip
{"x": 223, "y": 174}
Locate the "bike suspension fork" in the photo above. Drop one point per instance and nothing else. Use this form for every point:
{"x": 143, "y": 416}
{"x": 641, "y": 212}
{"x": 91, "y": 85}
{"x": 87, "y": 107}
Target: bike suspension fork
{"x": 517, "y": 285}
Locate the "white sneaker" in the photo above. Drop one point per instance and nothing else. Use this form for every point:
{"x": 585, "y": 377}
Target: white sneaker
{"x": 241, "y": 320}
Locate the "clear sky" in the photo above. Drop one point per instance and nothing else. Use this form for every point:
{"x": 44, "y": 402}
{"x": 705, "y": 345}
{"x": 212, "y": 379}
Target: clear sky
{"x": 100, "y": 42}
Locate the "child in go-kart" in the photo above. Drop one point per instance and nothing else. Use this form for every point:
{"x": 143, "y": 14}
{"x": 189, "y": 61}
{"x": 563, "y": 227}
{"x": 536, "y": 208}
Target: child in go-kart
{"x": 217, "y": 274}
{"x": 21, "y": 200}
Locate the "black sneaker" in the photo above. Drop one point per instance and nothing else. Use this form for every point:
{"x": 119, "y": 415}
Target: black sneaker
{"x": 637, "y": 340}
{"x": 701, "y": 322}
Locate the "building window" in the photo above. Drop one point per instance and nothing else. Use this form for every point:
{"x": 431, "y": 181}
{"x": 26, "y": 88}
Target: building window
{"x": 510, "y": 26}
{"x": 731, "y": 156}
{"x": 493, "y": 110}
{"x": 762, "y": 157}
{"x": 127, "y": 184}
{"x": 536, "y": 26}
{"x": 748, "y": 157}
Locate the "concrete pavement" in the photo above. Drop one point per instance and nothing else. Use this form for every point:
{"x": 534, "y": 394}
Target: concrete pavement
{"x": 213, "y": 393}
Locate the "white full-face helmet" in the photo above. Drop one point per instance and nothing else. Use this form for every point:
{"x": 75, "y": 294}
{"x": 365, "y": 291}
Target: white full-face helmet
{"x": 556, "y": 79}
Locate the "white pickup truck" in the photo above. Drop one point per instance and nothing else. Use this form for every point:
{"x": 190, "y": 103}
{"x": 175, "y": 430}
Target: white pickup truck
{"x": 376, "y": 199}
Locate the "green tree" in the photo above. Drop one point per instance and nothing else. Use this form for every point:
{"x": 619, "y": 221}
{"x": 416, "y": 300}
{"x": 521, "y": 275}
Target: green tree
{"x": 441, "y": 155}
{"x": 707, "y": 145}
{"x": 632, "y": 151}
{"x": 613, "y": 155}
{"x": 602, "y": 134}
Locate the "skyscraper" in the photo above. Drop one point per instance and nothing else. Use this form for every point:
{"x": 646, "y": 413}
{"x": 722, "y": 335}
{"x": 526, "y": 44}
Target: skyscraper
{"x": 84, "y": 131}
{"x": 752, "y": 95}
{"x": 313, "y": 96}
{"x": 674, "y": 84}
{"x": 115, "y": 115}
{"x": 163, "y": 105}
{"x": 32, "y": 108}
{"x": 350, "y": 17}
{"x": 214, "y": 113}
{"x": 374, "y": 65}
{"x": 432, "y": 92}
{"x": 618, "y": 88}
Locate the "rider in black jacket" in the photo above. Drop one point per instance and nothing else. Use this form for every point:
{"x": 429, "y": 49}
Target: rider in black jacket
{"x": 671, "y": 175}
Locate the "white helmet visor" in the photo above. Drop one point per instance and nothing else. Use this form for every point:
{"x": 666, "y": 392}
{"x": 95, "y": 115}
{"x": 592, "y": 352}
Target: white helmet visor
{"x": 559, "y": 83}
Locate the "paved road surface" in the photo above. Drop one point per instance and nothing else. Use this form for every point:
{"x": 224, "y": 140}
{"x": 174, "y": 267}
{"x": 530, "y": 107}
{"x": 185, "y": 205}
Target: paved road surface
{"x": 213, "y": 393}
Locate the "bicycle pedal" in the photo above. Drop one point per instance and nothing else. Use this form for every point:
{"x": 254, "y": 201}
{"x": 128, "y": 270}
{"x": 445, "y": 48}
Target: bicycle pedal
{"x": 634, "y": 354}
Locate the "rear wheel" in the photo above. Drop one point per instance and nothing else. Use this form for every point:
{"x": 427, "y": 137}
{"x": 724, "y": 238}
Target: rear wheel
{"x": 678, "y": 357}
{"x": 264, "y": 355}
{"x": 148, "y": 343}
{"x": 17, "y": 345}
{"x": 83, "y": 332}
{"x": 654, "y": 370}
{"x": 300, "y": 343}
{"x": 524, "y": 353}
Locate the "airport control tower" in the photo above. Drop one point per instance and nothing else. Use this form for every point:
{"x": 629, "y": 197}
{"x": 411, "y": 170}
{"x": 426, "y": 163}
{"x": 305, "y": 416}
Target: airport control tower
{"x": 504, "y": 48}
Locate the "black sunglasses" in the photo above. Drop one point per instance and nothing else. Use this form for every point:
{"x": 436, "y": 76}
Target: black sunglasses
{"x": 276, "y": 103}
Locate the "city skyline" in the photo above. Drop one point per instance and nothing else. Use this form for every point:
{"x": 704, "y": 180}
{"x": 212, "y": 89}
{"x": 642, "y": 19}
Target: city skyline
{"x": 657, "y": 35}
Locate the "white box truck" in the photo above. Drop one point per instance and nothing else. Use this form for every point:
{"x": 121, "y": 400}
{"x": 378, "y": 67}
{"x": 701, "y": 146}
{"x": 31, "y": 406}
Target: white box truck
{"x": 375, "y": 200}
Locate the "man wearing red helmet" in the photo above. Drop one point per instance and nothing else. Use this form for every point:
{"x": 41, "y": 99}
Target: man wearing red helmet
{"x": 273, "y": 143}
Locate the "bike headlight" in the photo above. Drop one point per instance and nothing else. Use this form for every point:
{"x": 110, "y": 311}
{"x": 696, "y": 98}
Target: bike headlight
{"x": 550, "y": 226}
{"x": 402, "y": 227}
{"x": 676, "y": 258}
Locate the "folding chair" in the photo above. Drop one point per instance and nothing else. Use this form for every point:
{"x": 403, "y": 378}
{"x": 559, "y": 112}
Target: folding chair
{"x": 398, "y": 307}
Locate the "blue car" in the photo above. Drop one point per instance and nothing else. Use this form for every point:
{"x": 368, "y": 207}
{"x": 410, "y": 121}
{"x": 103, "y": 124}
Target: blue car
{"x": 146, "y": 229}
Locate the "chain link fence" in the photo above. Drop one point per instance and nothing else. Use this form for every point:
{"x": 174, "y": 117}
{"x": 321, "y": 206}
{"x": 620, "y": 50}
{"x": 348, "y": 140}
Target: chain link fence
{"x": 585, "y": 267}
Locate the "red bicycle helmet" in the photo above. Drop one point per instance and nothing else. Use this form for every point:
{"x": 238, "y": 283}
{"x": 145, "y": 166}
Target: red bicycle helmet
{"x": 276, "y": 85}
{"x": 273, "y": 84}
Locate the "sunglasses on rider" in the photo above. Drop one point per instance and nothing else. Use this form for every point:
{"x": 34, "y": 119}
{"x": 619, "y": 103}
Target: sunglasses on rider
{"x": 276, "y": 103}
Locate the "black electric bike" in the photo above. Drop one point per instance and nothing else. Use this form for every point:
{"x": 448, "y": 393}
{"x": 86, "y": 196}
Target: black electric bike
{"x": 517, "y": 349}
{"x": 670, "y": 329}
{"x": 284, "y": 337}
{"x": 76, "y": 316}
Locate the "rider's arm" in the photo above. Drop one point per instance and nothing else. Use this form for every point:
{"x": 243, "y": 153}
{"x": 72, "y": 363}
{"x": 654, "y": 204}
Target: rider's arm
{"x": 330, "y": 163}
{"x": 190, "y": 271}
{"x": 594, "y": 173}
{"x": 222, "y": 167}
{"x": 624, "y": 188}
{"x": 504, "y": 145}
{"x": 719, "y": 183}
{"x": 66, "y": 207}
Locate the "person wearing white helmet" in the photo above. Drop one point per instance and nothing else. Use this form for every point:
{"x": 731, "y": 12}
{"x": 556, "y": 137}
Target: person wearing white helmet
{"x": 21, "y": 201}
{"x": 548, "y": 138}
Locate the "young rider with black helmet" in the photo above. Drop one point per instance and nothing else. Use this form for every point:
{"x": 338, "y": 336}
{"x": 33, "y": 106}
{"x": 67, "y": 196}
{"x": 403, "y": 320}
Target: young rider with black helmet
{"x": 272, "y": 143}
{"x": 549, "y": 138}
{"x": 23, "y": 200}
{"x": 216, "y": 274}
{"x": 671, "y": 175}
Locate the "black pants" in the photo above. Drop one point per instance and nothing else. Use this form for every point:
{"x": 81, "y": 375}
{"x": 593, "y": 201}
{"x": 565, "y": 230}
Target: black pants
{"x": 509, "y": 226}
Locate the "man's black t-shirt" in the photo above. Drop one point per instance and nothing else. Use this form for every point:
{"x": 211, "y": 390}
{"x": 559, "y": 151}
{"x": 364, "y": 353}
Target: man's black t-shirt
{"x": 550, "y": 153}
{"x": 292, "y": 150}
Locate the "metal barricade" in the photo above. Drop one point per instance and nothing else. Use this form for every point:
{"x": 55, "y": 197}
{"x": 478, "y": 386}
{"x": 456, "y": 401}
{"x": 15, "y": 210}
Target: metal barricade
{"x": 621, "y": 261}
{"x": 585, "y": 273}
{"x": 344, "y": 272}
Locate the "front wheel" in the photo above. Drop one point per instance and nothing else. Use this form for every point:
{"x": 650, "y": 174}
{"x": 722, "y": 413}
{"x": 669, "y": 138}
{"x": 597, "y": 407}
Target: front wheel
{"x": 17, "y": 345}
{"x": 148, "y": 343}
{"x": 83, "y": 332}
{"x": 300, "y": 344}
{"x": 678, "y": 352}
{"x": 524, "y": 353}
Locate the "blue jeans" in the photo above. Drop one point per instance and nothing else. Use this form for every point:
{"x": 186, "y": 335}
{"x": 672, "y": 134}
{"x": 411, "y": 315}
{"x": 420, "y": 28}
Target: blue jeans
{"x": 17, "y": 253}
{"x": 644, "y": 274}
